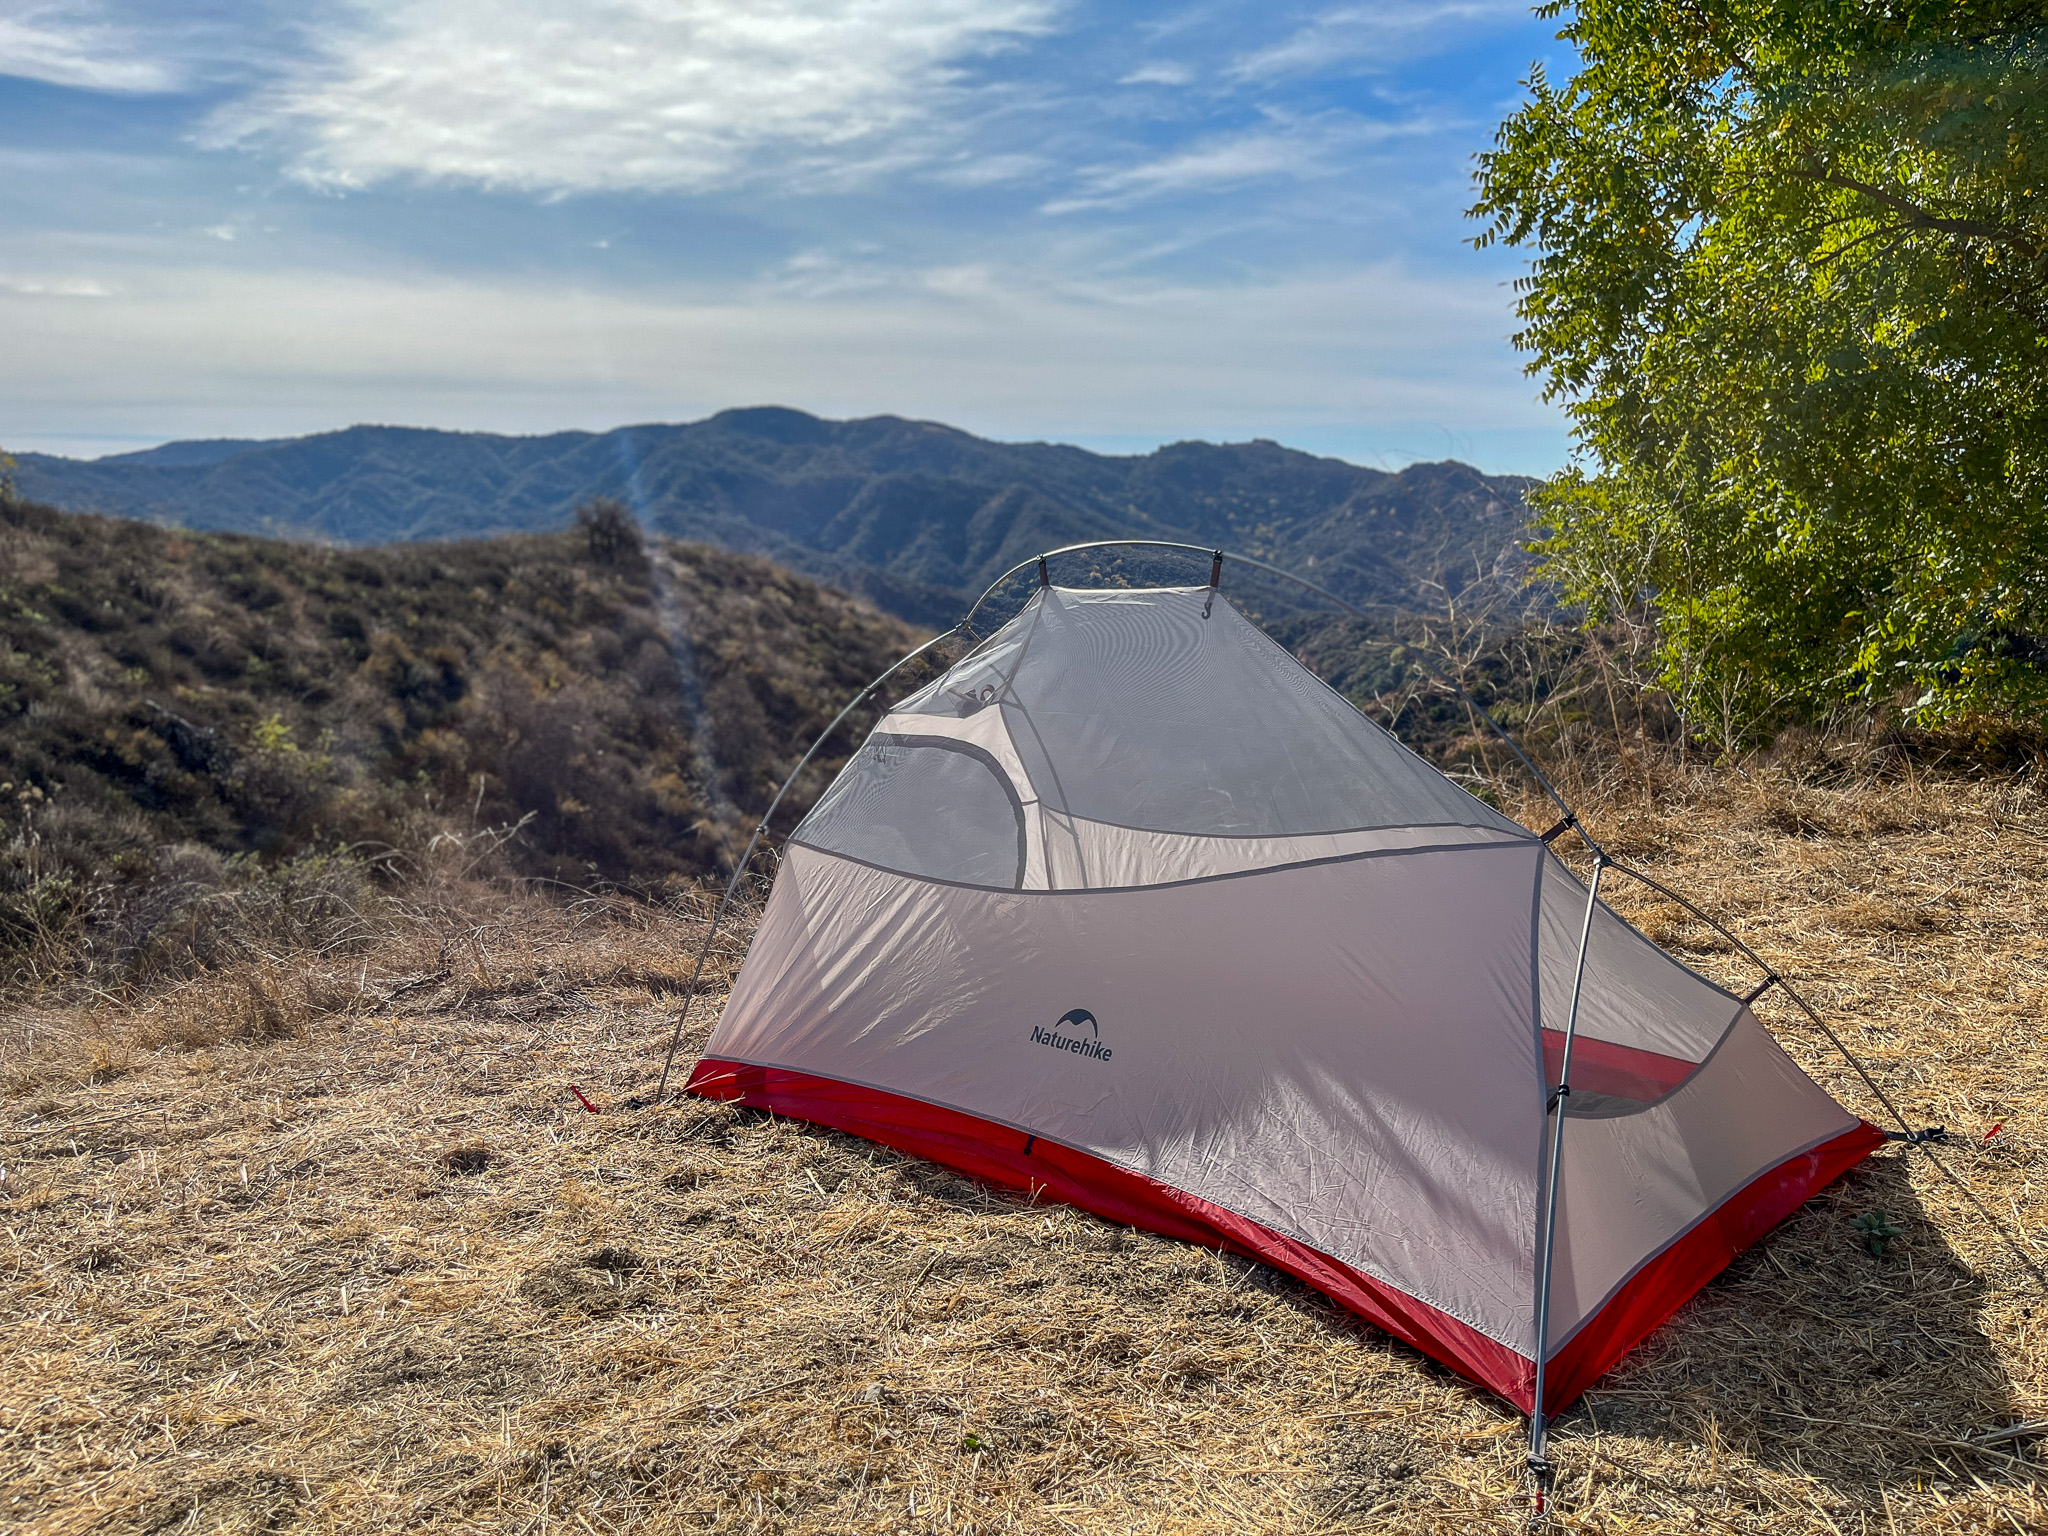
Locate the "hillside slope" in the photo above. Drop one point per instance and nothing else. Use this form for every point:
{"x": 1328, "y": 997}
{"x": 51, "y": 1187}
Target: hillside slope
{"x": 254, "y": 696}
{"x": 914, "y": 515}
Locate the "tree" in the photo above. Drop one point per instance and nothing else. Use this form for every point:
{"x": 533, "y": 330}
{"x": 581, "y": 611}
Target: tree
{"x": 1790, "y": 277}
{"x": 611, "y": 531}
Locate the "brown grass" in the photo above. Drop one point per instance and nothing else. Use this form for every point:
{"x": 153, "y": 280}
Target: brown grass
{"x": 330, "y": 1245}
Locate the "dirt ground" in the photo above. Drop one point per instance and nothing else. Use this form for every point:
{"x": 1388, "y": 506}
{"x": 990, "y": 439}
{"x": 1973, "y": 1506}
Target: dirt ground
{"x": 333, "y": 1245}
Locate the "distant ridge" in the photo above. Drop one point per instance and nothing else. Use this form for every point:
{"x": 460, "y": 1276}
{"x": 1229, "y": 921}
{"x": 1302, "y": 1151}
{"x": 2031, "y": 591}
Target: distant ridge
{"x": 190, "y": 454}
{"x": 914, "y": 515}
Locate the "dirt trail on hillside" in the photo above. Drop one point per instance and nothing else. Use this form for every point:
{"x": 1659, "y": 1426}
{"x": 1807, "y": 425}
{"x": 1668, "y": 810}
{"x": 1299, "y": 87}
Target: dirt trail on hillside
{"x": 340, "y": 1249}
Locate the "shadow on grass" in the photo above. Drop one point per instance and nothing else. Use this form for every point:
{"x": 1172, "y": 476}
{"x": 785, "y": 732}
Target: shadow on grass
{"x": 1809, "y": 1357}
{"x": 1815, "y": 1358}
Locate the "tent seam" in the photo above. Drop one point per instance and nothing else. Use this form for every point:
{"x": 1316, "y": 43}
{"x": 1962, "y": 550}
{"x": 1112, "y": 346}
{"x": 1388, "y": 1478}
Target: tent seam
{"x": 1164, "y": 885}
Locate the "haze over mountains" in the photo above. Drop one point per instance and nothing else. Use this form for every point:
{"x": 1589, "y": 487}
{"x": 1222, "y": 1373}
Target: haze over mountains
{"x": 914, "y": 515}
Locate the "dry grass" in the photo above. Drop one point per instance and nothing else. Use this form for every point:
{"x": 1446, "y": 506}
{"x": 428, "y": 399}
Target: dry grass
{"x": 332, "y": 1246}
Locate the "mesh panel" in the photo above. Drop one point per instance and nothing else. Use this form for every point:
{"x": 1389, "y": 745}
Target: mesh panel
{"x": 1168, "y": 711}
{"x": 1645, "y": 1021}
{"x": 976, "y": 679}
{"x": 923, "y": 806}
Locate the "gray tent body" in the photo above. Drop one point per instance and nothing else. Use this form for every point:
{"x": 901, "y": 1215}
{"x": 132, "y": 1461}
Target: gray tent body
{"x": 1128, "y": 907}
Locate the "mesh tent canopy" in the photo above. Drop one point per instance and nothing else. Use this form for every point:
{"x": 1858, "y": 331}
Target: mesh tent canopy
{"x": 1130, "y": 908}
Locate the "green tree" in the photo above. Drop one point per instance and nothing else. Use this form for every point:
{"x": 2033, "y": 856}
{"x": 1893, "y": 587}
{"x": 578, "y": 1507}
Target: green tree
{"x": 1790, "y": 277}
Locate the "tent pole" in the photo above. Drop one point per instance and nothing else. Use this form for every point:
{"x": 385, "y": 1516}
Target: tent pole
{"x": 740, "y": 869}
{"x": 1553, "y": 1111}
{"x": 1772, "y": 978}
{"x": 1217, "y": 556}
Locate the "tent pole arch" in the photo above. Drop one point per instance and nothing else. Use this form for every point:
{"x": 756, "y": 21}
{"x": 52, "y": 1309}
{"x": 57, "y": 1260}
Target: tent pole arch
{"x": 1218, "y": 556}
{"x": 761, "y": 829}
{"x": 1771, "y": 979}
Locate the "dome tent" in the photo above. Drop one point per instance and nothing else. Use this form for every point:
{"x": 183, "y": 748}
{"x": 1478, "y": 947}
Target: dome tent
{"x": 1129, "y": 909}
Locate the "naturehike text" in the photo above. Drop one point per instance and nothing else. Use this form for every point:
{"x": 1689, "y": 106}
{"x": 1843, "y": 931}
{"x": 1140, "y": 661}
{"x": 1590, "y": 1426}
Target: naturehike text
{"x": 1080, "y": 1047}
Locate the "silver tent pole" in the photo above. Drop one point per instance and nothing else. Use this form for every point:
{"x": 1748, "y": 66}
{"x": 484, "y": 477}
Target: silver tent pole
{"x": 1427, "y": 662}
{"x": 1539, "y": 1424}
{"x": 740, "y": 869}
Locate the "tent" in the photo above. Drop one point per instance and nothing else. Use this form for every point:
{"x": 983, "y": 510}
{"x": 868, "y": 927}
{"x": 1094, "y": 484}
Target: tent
{"x": 1129, "y": 909}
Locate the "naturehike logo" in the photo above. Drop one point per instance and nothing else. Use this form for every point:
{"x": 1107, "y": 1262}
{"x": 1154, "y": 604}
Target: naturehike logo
{"x": 1076, "y": 1031}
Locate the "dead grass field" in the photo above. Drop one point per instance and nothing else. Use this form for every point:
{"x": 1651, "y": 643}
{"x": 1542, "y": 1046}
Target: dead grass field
{"x": 332, "y": 1246}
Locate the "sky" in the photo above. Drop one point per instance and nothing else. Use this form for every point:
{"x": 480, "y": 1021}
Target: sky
{"x": 1109, "y": 224}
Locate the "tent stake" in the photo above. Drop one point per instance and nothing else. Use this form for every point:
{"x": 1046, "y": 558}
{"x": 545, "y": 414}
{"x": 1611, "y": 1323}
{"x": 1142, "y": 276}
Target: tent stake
{"x": 1554, "y": 1107}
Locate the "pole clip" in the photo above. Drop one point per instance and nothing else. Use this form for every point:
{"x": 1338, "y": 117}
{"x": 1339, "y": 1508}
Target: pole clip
{"x": 1216, "y": 568}
{"x": 1558, "y": 1095}
{"x": 1762, "y": 987}
{"x": 1570, "y": 821}
{"x": 1044, "y": 580}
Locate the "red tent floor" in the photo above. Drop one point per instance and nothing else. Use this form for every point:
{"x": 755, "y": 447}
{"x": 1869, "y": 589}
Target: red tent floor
{"x": 1013, "y": 1159}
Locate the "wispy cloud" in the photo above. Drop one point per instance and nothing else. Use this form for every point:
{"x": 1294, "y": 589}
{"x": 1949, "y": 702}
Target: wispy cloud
{"x": 1378, "y": 36}
{"x": 1046, "y": 217}
{"x": 54, "y": 287}
{"x": 971, "y": 170}
{"x": 644, "y": 95}
{"x": 1280, "y": 150}
{"x": 75, "y": 43}
{"x": 1159, "y": 73}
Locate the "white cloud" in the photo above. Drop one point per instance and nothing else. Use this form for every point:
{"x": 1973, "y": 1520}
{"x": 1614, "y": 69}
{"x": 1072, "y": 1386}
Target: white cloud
{"x": 1159, "y": 74}
{"x": 54, "y": 287}
{"x": 677, "y": 95}
{"x": 1379, "y": 35}
{"x": 78, "y": 44}
{"x": 943, "y": 294}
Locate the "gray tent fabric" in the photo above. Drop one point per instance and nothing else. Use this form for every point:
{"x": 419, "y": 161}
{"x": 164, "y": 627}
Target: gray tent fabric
{"x": 1168, "y": 711}
{"x": 1142, "y": 733}
{"x": 1129, "y": 881}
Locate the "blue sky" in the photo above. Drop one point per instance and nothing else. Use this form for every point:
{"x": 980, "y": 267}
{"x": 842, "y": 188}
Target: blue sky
{"x": 1115, "y": 225}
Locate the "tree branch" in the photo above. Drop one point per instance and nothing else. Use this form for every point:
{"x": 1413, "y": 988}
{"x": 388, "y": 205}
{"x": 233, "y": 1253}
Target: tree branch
{"x": 1920, "y": 217}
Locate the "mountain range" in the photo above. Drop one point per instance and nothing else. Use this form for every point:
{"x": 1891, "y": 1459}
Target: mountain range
{"x": 913, "y": 515}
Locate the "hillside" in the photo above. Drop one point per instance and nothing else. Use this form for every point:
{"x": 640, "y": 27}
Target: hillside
{"x": 247, "y": 696}
{"x": 915, "y": 516}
